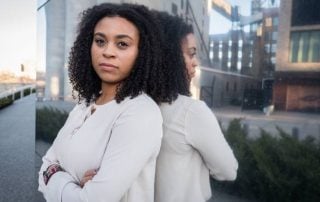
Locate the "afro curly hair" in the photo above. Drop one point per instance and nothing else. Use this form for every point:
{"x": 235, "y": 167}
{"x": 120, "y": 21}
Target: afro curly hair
{"x": 147, "y": 74}
{"x": 174, "y": 31}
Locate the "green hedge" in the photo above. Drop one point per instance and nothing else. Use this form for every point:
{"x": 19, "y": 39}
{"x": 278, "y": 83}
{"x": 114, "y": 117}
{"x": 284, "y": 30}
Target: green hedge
{"x": 48, "y": 123}
{"x": 17, "y": 95}
{"x": 26, "y": 92}
{"x": 5, "y": 101}
{"x": 273, "y": 168}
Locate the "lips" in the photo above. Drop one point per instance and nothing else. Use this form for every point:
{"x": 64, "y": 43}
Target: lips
{"x": 107, "y": 66}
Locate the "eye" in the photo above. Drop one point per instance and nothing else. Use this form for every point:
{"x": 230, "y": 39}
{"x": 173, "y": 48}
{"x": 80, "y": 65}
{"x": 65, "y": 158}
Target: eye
{"x": 192, "y": 54}
{"x": 99, "y": 42}
{"x": 122, "y": 45}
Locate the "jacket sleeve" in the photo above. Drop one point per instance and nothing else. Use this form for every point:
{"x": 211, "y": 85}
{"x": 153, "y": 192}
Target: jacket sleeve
{"x": 136, "y": 137}
{"x": 204, "y": 134}
{"x": 48, "y": 159}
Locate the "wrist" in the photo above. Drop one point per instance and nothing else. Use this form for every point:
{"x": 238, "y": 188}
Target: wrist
{"x": 51, "y": 170}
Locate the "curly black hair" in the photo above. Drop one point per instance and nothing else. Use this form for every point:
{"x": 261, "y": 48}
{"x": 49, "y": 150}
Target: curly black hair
{"x": 174, "y": 31}
{"x": 147, "y": 74}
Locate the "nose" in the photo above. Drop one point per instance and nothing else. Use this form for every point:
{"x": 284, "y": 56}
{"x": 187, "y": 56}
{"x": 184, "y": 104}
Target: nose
{"x": 108, "y": 51}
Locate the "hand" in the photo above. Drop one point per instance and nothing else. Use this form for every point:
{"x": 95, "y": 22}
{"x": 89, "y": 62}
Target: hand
{"x": 52, "y": 169}
{"x": 88, "y": 175}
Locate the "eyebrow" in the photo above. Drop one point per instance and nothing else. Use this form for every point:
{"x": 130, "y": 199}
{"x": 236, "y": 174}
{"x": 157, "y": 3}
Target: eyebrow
{"x": 120, "y": 36}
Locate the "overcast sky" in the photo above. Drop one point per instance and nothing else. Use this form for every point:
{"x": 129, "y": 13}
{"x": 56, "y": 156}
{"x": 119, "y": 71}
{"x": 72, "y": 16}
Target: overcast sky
{"x": 18, "y": 33}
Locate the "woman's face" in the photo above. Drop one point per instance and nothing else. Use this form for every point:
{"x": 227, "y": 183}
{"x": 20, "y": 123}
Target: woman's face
{"x": 114, "y": 49}
{"x": 189, "y": 49}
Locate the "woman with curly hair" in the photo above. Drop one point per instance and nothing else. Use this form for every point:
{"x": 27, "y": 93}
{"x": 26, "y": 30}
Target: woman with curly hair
{"x": 193, "y": 146}
{"x": 107, "y": 149}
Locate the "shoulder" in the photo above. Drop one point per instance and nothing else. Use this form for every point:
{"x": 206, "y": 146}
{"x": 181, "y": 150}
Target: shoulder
{"x": 198, "y": 106}
{"x": 142, "y": 104}
{"x": 192, "y": 105}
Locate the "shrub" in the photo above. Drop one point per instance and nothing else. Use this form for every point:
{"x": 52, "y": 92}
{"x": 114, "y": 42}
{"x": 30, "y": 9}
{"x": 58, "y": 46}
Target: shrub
{"x": 48, "y": 123}
{"x": 26, "y": 92}
{"x": 273, "y": 168}
{"x": 17, "y": 95}
{"x": 5, "y": 101}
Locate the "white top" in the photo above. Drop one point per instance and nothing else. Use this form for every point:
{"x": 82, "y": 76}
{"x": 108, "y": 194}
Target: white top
{"x": 193, "y": 147}
{"x": 126, "y": 164}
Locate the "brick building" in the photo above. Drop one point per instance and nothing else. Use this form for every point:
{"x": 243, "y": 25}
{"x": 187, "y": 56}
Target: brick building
{"x": 297, "y": 76}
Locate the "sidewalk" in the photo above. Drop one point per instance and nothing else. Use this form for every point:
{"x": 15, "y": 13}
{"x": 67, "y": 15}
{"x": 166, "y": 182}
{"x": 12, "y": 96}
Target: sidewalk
{"x": 296, "y": 123}
{"x": 17, "y": 143}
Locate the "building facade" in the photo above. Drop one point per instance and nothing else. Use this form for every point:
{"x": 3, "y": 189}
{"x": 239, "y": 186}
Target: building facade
{"x": 297, "y": 76}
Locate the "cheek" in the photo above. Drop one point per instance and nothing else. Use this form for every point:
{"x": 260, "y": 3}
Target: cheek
{"x": 188, "y": 64}
{"x": 130, "y": 57}
{"x": 93, "y": 54}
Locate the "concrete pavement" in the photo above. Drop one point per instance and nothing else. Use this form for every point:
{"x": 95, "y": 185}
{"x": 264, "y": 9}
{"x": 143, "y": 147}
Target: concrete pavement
{"x": 17, "y": 143}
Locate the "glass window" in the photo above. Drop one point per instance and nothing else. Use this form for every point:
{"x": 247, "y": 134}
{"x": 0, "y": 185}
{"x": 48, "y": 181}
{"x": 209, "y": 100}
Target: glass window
{"x": 275, "y": 21}
{"x": 299, "y": 15}
{"x": 304, "y": 46}
{"x": 240, "y": 43}
{"x": 174, "y": 9}
{"x": 268, "y": 22}
{"x": 239, "y": 65}
{"x": 273, "y": 48}
{"x": 274, "y": 36}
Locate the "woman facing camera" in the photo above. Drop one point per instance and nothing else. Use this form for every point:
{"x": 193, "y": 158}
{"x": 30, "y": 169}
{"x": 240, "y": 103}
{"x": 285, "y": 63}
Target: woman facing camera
{"x": 193, "y": 146}
{"x": 107, "y": 149}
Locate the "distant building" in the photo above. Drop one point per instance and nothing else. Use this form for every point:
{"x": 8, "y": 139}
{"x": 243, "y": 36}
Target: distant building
{"x": 297, "y": 76}
{"x": 62, "y": 17}
{"x": 248, "y": 56}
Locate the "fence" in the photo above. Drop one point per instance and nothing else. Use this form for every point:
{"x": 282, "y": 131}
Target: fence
{"x": 7, "y": 97}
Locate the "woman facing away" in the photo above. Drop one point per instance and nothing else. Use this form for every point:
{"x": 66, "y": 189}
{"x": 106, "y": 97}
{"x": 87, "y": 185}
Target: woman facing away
{"x": 193, "y": 146}
{"x": 107, "y": 149}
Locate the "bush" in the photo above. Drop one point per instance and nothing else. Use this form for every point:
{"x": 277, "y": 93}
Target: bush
{"x": 48, "y": 123}
{"x": 273, "y": 168}
{"x": 5, "y": 101}
{"x": 26, "y": 92}
{"x": 17, "y": 95}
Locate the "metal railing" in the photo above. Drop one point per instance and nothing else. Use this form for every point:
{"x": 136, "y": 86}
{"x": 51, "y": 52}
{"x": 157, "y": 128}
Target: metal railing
{"x": 21, "y": 90}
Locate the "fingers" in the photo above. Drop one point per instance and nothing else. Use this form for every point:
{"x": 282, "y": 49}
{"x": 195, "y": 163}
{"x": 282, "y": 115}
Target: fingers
{"x": 90, "y": 172}
{"x": 88, "y": 175}
{"x": 84, "y": 180}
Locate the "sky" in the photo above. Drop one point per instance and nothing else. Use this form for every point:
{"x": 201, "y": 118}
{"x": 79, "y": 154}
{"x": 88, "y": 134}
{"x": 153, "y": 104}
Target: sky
{"x": 219, "y": 24}
{"x": 18, "y": 34}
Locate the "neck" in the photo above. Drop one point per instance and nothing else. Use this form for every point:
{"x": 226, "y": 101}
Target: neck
{"x": 108, "y": 92}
